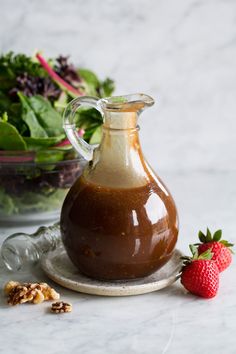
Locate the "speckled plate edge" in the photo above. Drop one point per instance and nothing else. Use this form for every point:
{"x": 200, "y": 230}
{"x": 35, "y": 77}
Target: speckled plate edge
{"x": 127, "y": 288}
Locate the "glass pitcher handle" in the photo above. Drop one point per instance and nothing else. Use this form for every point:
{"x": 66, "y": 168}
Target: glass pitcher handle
{"x": 80, "y": 145}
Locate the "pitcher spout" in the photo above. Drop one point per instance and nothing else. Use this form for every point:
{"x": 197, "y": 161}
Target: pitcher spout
{"x": 120, "y": 113}
{"x": 128, "y": 103}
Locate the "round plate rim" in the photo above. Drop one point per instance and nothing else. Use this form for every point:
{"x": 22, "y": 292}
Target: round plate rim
{"x": 106, "y": 289}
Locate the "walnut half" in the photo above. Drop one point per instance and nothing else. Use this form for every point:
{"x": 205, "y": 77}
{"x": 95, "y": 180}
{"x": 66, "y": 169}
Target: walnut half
{"x": 29, "y": 292}
{"x": 9, "y": 286}
{"x": 61, "y": 307}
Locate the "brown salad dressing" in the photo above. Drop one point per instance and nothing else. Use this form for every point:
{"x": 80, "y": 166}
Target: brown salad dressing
{"x": 117, "y": 234}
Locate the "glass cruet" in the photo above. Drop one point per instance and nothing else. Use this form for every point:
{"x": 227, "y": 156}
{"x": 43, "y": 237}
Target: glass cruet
{"x": 21, "y": 251}
{"x": 118, "y": 220}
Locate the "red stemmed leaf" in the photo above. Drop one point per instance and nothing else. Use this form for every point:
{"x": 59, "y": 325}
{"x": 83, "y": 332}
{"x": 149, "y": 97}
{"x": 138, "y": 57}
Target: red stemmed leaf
{"x": 56, "y": 77}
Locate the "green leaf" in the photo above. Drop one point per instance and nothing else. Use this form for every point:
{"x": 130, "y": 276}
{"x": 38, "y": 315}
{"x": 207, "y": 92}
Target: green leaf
{"x": 5, "y": 102}
{"x": 206, "y": 255}
{"x": 91, "y": 82}
{"x": 7, "y": 205}
{"x": 10, "y": 139}
{"x": 107, "y": 88}
{"x": 39, "y": 143}
{"x": 89, "y": 76}
{"x": 88, "y": 116}
{"x": 47, "y": 116}
{"x": 30, "y": 118}
{"x": 61, "y": 103}
{"x": 4, "y": 118}
{"x": 14, "y": 112}
{"x": 89, "y": 120}
{"x": 201, "y": 237}
{"x": 42, "y": 119}
{"x": 93, "y": 86}
{"x": 49, "y": 156}
{"x": 96, "y": 136}
{"x": 208, "y": 236}
{"x": 217, "y": 235}
{"x": 194, "y": 251}
{"x": 226, "y": 243}
{"x": 118, "y": 99}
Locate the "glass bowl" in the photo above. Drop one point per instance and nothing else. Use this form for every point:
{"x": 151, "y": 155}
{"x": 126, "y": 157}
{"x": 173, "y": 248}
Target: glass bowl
{"x": 33, "y": 185}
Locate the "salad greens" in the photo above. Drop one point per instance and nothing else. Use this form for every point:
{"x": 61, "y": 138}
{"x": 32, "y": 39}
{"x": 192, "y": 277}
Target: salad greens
{"x": 30, "y": 201}
{"x": 33, "y": 95}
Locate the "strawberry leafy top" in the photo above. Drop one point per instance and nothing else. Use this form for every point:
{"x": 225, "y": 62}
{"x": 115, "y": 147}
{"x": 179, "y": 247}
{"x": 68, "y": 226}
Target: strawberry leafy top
{"x": 216, "y": 237}
{"x": 207, "y": 255}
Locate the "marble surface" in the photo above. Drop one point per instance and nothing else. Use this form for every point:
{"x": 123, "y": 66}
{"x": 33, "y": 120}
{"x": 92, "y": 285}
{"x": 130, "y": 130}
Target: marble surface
{"x": 183, "y": 53}
{"x": 168, "y": 321}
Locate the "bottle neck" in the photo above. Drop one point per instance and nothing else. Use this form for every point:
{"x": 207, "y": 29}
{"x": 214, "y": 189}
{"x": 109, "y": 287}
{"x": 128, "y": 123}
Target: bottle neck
{"x": 118, "y": 161}
{"x": 120, "y": 120}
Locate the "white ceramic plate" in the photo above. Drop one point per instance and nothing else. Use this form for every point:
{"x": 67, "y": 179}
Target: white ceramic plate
{"x": 59, "y": 268}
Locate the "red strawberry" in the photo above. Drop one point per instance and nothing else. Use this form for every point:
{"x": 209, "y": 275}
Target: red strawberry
{"x": 222, "y": 254}
{"x": 200, "y": 275}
